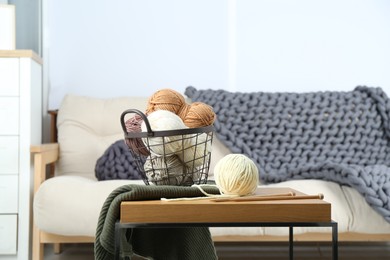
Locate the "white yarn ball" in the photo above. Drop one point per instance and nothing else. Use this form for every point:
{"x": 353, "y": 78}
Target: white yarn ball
{"x": 165, "y": 170}
{"x": 236, "y": 174}
{"x": 163, "y": 120}
{"x": 197, "y": 151}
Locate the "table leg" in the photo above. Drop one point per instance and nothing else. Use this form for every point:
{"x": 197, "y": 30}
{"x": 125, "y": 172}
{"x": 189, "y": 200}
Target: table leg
{"x": 335, "y": 246}
{"x": 291, "y": 242}
{"x": 117, "y": 240}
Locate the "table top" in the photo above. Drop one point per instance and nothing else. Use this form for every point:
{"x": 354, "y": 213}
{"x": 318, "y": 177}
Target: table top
{"x": 208, "y": 210}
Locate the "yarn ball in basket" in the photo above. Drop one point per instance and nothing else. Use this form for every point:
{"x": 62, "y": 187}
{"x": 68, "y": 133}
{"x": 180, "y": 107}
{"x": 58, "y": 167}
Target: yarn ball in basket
{"x": 236, "y": 174}
{"x": 166, "y": 170}
{"x": 197, "y": 114}
{"x": 163, "y": 120}
{"x": 166, "y": 99}
{"x": 133, "y": 125}
{"x": 198, "y": 151}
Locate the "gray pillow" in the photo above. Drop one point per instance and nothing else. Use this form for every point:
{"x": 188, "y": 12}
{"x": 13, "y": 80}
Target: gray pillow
{"x": 117, "y": 162}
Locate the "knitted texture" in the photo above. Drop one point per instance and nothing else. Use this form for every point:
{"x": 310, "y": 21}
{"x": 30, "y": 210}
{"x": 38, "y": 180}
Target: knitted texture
{"x": 334, "y": 136}
{"x": 117, "y": 162}
{"x": 158, "y": 243}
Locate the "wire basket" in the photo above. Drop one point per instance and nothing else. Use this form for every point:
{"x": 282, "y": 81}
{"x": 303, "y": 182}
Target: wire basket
{"x": 172, "y": 157}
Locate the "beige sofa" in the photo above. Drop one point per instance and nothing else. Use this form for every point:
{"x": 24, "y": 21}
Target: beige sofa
{"x": 67, "y": 206}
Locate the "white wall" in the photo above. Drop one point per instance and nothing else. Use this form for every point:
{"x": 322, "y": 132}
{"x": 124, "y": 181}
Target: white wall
{"x": 128, "y": 47}
{"x": 306, "y": 45}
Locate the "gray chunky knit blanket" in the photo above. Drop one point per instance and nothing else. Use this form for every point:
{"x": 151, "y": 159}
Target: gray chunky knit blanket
{"x": 335, "y": 136}
{"x": 117, "y": 162}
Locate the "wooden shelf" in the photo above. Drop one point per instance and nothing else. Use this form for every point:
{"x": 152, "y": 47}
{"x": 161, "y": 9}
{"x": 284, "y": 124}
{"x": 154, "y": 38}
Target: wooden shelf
{"x": 21, "y": 53}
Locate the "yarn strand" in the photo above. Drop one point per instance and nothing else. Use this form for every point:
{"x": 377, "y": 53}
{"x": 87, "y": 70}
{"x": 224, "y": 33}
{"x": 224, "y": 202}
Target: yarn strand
{"x": 208, "y": 195}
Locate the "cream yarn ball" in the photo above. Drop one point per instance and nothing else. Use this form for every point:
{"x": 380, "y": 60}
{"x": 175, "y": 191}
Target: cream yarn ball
{"x": 163, "y": 120}
{"x": 198, "y": 150}
{"x": 236, "y": 174}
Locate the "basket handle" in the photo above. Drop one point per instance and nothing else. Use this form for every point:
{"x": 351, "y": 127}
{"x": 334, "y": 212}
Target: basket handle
{"x": 136, "y": 111}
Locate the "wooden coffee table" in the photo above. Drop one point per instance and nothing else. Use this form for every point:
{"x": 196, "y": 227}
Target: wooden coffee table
{"x": 209, "y": 213}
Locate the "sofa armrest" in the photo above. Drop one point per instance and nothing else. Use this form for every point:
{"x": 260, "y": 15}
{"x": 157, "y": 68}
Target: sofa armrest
{"x": 44, "y": 155}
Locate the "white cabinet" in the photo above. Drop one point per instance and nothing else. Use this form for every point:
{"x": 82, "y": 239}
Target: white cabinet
{"x": 9, "y": 71}
{"x": 20, "y": 127}
{"x": 9, "y": 194}
{"x": 9, "y": 155}
{"x": 8, "y": 234}
{"x": 9, "y": 112}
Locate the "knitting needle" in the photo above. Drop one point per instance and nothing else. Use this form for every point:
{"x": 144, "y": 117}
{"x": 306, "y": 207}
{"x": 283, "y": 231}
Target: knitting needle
{"x": 266, "y": 198}
{"x": 256, "y": 196}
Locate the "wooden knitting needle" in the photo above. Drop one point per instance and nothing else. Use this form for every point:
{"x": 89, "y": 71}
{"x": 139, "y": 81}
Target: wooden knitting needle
{"x": 256, "y": 196}
{"x": 267, "y": 198}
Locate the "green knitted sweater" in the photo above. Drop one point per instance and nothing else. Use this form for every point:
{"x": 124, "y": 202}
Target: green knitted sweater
{"x": 156, "y": 243}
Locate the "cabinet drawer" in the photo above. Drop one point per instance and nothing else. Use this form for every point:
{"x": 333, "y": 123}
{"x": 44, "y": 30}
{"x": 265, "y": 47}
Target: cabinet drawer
{"x": 9, "y": 155}
{"x": 9, "y": 77}
{"x": 8, "y": 234}
{"x": 9, "y": 80}
{"x": 9, "y": 115}
{"x": 8, "y": 194}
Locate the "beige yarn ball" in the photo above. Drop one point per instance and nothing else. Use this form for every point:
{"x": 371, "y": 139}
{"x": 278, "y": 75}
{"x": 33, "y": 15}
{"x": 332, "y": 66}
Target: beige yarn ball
{"x": 197, "y": 151}
{"x": 236, "y": 174}
{"x": 162, "y": 120}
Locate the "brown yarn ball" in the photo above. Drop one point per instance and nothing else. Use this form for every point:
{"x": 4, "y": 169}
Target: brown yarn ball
{"x": 199, "y": 115}
{"x": 133, "y": 125}
{"x": 184, "y": 111}
{"x": 166, "y": 99}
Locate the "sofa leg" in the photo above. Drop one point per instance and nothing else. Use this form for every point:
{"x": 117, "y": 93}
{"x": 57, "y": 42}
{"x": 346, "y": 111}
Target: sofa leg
{"x": 57, "y": 248}
{"x": 37, "y": 250}
{"x": 38, "y": 253}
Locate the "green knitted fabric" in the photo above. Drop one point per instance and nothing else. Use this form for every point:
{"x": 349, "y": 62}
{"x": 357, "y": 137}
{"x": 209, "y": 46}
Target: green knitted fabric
{"x": 157, "y": 243}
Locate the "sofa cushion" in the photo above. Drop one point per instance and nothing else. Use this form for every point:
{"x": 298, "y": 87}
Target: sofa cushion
{"x": 84, "y": 198}
{"x": 364, "y": 218}
{"x": 87, "y": 127}
{"x": 219, "y": 150}
{"x": 80, "y": 208}
{"x": 70, "y": 205}
{"x": 340, "y": 210}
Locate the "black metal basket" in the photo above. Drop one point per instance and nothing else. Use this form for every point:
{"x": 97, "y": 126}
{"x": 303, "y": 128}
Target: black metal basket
{"x": 173, "y": 157}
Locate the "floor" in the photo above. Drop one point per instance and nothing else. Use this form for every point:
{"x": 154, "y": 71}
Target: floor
{"x": 253, "y": 251}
